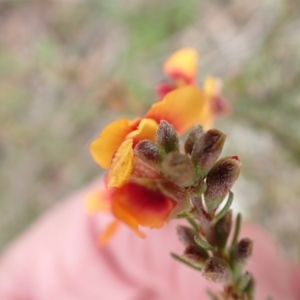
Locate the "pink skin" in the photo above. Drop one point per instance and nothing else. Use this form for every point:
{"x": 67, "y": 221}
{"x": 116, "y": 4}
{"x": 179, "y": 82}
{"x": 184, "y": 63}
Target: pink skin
{"x": 58, "y": 258}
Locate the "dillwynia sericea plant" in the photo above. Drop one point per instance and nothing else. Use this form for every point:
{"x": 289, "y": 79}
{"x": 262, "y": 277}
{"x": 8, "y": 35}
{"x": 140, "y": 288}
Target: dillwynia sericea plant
{"x": 152, "y": 178}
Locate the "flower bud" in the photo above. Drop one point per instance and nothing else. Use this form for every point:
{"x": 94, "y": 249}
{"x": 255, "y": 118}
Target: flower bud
{"x": 149, "y": 152}
{"x": 220, "y": 180}
{"x": 194, "y": 135}
{"x": 195, "y": 254}
{"x": 242, "y": 250}
{"x": 222, "y": 229}
{"x": 216, "y": 269}
{"x": 186, "y": 235}
{"x": 178, "y": 168}
{"x": 207, "y": 150}
{"x": 167, "y": 137}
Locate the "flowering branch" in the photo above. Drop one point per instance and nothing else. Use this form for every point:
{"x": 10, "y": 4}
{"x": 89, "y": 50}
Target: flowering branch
{"x": 150, "y": 181}
{"x": 207, "y": 182}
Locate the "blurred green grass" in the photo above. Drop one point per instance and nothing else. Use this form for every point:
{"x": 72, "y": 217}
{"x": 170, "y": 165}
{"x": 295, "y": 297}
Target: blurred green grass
{"x": 68, "y": 67}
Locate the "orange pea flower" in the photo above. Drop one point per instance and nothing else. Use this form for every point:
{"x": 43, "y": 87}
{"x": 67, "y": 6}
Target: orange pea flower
{"x": 181, "y": 69}
{"x": 113, "y": 149}
{"x": 181, "y": 66}
{"x": 133, "y": 204}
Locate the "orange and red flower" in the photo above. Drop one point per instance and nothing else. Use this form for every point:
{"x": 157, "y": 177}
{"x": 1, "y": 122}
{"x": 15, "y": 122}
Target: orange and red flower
{"x": 181, "y": 69}
{"x": 133, "y": 204}
{"x": 113, "y": 149}
{"x": 181, "y": 66}
{"x": 150, "y": 203}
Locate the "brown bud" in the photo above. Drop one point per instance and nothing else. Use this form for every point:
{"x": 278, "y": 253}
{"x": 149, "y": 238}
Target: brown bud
{"x": 186, "y": 235}
{"x": 216, "y": 269}
{"x": 167, "y": 137}
{"x": 220, "y": 180}
{"x": 243, "y": 250}
{"x": 207, "y": 150}
{"x": 195, "y": 254}
{"x": 194, "y": 135}
{"x": 149, "y": 152}
{"x": 178, "y": 168}
{"x": 222, "y": 229}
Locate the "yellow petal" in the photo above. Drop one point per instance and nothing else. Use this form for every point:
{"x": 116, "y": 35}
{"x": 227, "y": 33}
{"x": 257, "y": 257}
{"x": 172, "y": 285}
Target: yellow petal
{"x": 212, "y": 86}
{"x": 145, "y": 131}
{"x": 121, "y": 165}
{"x": 182, "y": 108}
{"x": 109, "y": 140}
{"x": 207, "y": 116}
{"x": 184, "y": 62}
{"x": 97, "y": 201}
{"x": 108, "y": 233}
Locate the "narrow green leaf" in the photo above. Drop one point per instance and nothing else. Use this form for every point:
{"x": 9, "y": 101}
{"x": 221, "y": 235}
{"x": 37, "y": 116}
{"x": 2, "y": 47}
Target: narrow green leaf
{"x": 204, "y": 244}
{"x": 225, "y": 209}
{"x": 182, "y": 216}
{"x": 193, "y": 223}
{"x": 179, "y": 258}
{"x": 236, "y": 230}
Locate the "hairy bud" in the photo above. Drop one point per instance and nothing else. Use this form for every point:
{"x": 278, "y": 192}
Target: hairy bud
{"x": 149, "y": 152}
{"x": 178, "y": 168}
{"x": 194, "y": 135}
{"x": 220, "y": 180}
{"x": 216, "y": 269}
{"x": 186, "y": 235}
{"x": 207, "y": 150}
{"x": 243, "y": 250}
{"x": 195, "y": 254}
{"x": 167, "y": 137}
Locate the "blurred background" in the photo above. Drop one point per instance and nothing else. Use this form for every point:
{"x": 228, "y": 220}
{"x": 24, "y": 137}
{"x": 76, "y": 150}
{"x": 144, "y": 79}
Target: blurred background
{"x": 68, "y": 67}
